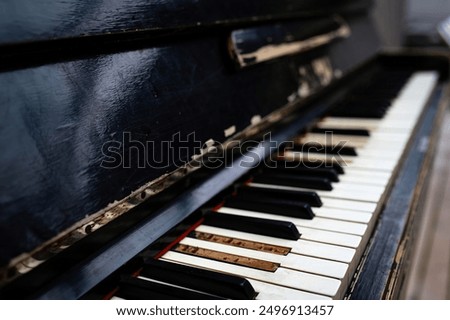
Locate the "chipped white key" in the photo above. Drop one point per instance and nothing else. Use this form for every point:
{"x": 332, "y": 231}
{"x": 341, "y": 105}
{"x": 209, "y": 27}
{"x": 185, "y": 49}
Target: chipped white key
{"x": 301, "y": 246}
{"x": 293, "y": 261}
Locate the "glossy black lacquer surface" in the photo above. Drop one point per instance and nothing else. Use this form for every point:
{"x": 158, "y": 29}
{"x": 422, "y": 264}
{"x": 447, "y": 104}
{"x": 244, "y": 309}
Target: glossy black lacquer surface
{"x": 56, "y": 119}
{"x": 30, "y": 20}
{"x": 75, "y": 135}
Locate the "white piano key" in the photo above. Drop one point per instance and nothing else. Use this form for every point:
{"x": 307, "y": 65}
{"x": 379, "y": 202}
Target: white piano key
{"x": 378, "y": 153}
{"x": 336, "y": 138}
{"x": 392, "y": 123}
{"x": 282, "y": 276}
{"x": 351, "y": 205}
{"x": 330, "y": 237}
{"x": 374, "y": 164}
{"x": 333, "y": 225}
{"x": 293, "y": 261}
{"x": 316, "y": 223}
{"x": 325, "y": 250}
{"x": 354, "y": 190}
{"x": 301, "y": 246}
{"x": 378, "y": 175}
{"x": 372, "y": 149}
{"x": 396, "y": 115}
{"x": 350, "y": 194}
{"x": 343, "y": 214}
{"x": 347, "y": 195}
{"x": 363, "y": 180}
{"x": 346, "y": 161}
{"x": 393, "y": 119}
{"x": 322, "y": 140}
{"x": 362, "y": 124}
{"x": 421, "y": 84}
{"x": 363, "y": 177}
{"x": 357, "y": 187}
{"x": 267, "y": 291}
{"x": 405, "y": 107}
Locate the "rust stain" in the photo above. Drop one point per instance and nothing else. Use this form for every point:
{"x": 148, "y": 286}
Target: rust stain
{"x": 228, "y": 258}
{"x": 253, "y": 245}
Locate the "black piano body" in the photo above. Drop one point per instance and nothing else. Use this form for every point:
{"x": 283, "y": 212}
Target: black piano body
{"x": 93, "y": 93}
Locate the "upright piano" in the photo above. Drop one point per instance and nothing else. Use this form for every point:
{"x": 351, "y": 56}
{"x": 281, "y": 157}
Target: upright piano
{"x": 184, "y": 149}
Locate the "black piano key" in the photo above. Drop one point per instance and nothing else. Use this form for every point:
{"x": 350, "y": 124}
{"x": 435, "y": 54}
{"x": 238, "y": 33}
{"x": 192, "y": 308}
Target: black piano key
{"x": 265, "y": 227}
{"x": 329, "y": 174}
{"x": 373, "y": 99}
{"x": 255, "y": 194}
{"x": 132, "y": 288}
{"x": 290, "y": 180}
{"x": 273, "y": 206}
{"x": 292, "y": 167}
{"x": 318, "y": 148}
{"x": 362, "y": 113}
{"x": 218, "y": 284}
{"x": 310, "y": 165}
{"x": 346, "y": 132}
{"x": 362, "y": 105}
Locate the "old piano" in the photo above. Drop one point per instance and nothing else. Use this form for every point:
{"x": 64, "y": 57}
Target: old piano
{"x": 184, "y": 149}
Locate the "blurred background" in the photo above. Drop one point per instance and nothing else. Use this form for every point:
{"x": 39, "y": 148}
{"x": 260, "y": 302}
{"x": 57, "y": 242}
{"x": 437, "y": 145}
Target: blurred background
{"x": 414, "y": 23}
{"x": 410, "y": 22}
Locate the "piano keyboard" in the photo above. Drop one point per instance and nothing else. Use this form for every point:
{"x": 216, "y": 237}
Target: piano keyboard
{"x": 295, "y": 233}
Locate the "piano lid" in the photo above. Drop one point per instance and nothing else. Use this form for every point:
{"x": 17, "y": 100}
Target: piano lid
{"x": 27, "y": 20}
{"x": 81, "y": 130}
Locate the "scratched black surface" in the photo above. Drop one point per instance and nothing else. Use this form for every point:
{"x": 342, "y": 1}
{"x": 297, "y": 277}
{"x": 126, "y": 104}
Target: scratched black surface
{"x": 252, "y": 39}
{"x": 56, "y": 118}
{"x": 30, "y": 20}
